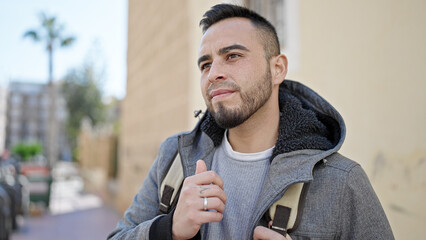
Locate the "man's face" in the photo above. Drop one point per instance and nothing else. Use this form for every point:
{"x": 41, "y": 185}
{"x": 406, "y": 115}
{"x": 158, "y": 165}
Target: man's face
{"x": 235, "y": 76}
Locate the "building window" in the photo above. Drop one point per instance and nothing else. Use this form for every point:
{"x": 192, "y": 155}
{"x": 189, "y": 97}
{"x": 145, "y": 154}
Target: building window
{"x": 274, "y": 12}
{"x": 16, "y": 99}
{"x": 284, "y": 15}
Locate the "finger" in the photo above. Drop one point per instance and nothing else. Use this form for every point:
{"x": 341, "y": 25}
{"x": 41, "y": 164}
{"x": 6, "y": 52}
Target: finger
{"x": 212, "y": 191}
{"x": 207, "y": 216}
{"x": 195, "y": 219}
{"x": 287, "y": 236}
{"x": 205, "y": 178}
{"x": 213, "y": 203}
{"x": 266, "y": 233}
{"x": 200, "y": 167}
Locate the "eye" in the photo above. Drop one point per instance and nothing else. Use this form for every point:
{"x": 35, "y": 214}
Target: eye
{"x": 233, "y": 56}
{"x": 204, "y": 66}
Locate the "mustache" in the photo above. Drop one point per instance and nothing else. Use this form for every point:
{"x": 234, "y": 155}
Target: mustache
{"x": 227, "y": 84}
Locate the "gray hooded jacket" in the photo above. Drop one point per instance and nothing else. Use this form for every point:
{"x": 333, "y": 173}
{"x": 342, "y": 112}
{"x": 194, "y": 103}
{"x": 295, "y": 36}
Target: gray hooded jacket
{"x": 340, "y": 202}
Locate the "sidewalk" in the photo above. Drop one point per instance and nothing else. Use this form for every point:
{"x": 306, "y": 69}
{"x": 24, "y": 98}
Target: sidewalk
{"x": 72, "y": 214}
{"x": 91, "y": 224}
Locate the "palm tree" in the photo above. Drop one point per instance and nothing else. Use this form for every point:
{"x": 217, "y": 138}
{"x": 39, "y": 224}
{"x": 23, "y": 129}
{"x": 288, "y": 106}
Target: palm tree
{"x": 50, "y": 33}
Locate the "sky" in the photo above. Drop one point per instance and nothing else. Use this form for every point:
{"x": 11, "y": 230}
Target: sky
{"x": 100, "y": 29}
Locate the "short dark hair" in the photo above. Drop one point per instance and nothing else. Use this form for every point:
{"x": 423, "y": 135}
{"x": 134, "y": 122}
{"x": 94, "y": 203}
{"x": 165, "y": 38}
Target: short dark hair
{"x": 267, "y": 32}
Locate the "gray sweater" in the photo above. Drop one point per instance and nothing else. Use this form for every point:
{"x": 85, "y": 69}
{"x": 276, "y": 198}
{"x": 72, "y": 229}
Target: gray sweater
{"x": 243, "y": 176}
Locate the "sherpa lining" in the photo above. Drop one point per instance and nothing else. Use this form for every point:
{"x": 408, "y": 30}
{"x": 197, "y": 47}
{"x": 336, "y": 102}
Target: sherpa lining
{"x": 301, "y": 127}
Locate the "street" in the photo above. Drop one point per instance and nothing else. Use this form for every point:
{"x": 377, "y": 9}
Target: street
{"x": 73, "y": 213}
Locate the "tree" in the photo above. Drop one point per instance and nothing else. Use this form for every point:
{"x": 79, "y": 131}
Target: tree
{"x": 51, "y": 34}
{"x": 26, "y": 151}
{"x": 83, "y": 95}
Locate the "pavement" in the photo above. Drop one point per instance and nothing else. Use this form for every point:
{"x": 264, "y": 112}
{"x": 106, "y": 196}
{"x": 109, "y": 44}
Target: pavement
{"x": 72, "y": 214}
{"x": 90, "y": 224}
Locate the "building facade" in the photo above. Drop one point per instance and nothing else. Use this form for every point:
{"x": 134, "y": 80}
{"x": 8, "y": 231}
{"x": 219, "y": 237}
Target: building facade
{"x": 27, "y": 117}
{"x": 3, "y": 118}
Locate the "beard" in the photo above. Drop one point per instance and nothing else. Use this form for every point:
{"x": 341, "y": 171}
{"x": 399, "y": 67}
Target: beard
{"x": 252, "y": 99}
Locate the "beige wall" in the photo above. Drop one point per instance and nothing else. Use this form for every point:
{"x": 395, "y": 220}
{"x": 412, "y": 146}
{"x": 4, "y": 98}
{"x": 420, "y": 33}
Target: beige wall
{"x": 365, "y": 57}
{"x": 96, "y": 152}
{"x": 162, "y": 83}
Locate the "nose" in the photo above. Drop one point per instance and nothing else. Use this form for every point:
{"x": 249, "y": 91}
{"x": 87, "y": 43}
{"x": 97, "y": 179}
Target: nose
{"x": 216, "y": 72}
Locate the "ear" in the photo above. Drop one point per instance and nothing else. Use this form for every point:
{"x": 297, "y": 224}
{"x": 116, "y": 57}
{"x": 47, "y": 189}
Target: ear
{"x": 278, "y": 68}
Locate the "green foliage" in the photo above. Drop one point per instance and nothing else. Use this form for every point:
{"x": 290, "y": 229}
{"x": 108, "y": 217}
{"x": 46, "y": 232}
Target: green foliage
{"x": 81, "y": 90}
{"x": 51, "y": 33}
{"x": 75, "y": 154}
{"x": 26, "y": 151}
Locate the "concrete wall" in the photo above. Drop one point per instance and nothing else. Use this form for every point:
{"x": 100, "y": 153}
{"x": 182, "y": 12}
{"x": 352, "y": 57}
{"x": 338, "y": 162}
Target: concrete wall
{"x": 96, "y": 153}
{"x": 367, "y": 58}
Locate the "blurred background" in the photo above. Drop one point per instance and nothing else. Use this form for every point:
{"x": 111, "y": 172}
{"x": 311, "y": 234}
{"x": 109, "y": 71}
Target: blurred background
{"x": 89, "y": 90}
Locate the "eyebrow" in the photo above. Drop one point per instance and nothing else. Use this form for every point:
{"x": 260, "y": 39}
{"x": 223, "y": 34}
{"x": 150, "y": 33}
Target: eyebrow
{"x": 202, "y": 59}
{"x": 232, "y": 47}
{"x": 222, "y": 51}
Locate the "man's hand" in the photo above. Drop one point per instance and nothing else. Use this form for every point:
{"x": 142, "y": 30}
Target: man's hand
{"x": 190, "y": 212}
{"x": 263, "y": 233}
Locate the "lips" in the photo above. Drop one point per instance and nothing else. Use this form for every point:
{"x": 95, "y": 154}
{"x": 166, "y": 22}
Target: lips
{"x": 220, "y": 93}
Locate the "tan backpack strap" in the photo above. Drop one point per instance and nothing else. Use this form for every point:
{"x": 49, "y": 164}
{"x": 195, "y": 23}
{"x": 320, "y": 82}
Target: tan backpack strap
{"x": 284, "y": 211}
{"x": 171, "y": 184}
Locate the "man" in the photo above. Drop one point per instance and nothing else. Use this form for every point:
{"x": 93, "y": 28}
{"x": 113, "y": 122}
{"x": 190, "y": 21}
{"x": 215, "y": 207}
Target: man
{"x": 260, "y": 135}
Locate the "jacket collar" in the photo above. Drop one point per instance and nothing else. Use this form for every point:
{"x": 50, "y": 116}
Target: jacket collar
{"x": 307, "y": 122}
{"x": 302, "y": 125}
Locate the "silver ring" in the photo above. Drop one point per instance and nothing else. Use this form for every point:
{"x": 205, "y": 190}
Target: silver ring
{"x": 205, "y": 204}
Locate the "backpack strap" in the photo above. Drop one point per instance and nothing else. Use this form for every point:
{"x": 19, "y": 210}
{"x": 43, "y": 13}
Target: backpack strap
{"x": 170, "y": 185}
{"x": 285, "y": 213}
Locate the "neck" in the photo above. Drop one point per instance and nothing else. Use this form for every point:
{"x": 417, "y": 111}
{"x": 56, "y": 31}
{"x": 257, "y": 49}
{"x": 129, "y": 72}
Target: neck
{"x": 258, "y": 133}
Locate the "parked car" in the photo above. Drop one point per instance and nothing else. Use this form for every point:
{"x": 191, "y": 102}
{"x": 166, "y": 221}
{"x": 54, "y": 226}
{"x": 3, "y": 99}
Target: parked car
{"x": 19, "y": 182}
{"x": 5, "y": 215}
{"x": 15, "y": 186}
{"x": 13, "y": 190}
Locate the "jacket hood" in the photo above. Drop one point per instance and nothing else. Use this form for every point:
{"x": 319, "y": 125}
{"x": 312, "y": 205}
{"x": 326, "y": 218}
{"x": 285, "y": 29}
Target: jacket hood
{"x": 307, "y": 121}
